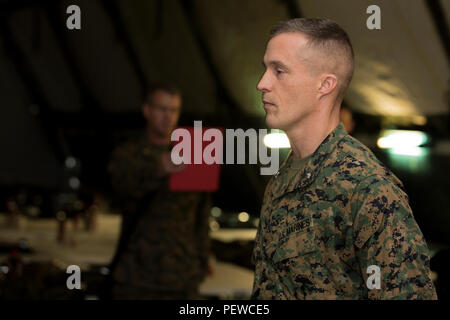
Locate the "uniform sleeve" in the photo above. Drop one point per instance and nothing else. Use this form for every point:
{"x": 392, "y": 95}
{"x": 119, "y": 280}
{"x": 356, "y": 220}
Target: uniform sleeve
{"x": 134, "y": 173}
{"x": 203, "y": 238}
{"x": 254, "y": 260}
{"x": 387, "y": 236}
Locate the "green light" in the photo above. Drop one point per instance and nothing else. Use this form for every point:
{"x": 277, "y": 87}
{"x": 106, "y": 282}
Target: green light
{"x": 403, "y": 142}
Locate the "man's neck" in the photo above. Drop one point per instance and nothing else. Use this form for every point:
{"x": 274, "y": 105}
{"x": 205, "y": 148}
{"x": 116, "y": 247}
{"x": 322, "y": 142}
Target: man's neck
{"x": 306, "y": 137}
{"x": 156, "y": 139}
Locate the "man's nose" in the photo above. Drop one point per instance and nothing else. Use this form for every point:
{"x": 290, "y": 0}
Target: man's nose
{"x": 263, "y": 84}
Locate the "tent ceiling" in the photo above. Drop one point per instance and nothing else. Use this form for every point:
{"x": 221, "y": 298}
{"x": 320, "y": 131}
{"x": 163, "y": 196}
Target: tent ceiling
{"x": 27, "y": 157}
{"x": 401, "y": 70}
{"x": 31, "y": 30}
{"x": 236, "y": 33}
{"x": 167, "y": 51}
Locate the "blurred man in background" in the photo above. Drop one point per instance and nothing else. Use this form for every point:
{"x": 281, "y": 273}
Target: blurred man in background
{"x": 335, "y": 222}
{"x": 164, "y": 244}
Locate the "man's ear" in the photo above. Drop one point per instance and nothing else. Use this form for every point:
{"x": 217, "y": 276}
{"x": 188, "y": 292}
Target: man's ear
{"x": 327, "y": 84}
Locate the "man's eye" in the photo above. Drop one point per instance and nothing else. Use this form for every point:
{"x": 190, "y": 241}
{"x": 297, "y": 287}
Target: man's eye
{"x": 278, "y": 71}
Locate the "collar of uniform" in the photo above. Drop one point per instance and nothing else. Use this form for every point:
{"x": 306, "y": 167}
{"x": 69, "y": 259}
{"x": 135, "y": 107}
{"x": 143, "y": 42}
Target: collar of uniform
{"x": 309, "y": 173}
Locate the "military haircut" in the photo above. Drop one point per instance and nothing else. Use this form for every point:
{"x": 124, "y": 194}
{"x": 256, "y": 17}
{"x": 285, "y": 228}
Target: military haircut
{"x": 327, "y": 38}
{"x": 167, "y": 87}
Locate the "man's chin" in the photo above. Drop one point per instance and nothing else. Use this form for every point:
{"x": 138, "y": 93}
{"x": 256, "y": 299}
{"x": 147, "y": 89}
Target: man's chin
{"x": 271, "y": 123}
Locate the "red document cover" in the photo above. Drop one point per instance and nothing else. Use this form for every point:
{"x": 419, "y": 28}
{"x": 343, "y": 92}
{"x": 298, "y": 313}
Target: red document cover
{"x": 197, "y": 177}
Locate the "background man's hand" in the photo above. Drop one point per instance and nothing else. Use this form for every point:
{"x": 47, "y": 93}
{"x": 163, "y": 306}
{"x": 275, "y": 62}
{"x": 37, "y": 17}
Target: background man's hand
{"x": 168, "y": 167}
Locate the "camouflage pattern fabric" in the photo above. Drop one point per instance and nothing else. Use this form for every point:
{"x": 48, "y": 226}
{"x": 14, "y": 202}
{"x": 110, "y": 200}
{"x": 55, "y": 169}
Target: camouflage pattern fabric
{"x": 322, "y": 226}
{"x": 165, "y": 255}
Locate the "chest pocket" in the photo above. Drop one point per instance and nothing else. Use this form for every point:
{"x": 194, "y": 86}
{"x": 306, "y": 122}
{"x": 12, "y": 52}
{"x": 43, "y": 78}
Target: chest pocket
{"x": 295, "y": 244}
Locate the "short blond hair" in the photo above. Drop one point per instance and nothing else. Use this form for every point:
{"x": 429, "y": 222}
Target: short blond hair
{"x": 326, "y": 36}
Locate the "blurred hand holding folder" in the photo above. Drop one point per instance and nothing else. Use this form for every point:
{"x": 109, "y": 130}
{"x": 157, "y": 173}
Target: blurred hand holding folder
{"x": 197, "y": 177}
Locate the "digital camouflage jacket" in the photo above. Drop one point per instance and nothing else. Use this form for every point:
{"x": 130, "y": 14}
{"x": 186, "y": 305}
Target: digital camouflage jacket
{"x": 322, "y": 227}
{"x": 164, "y": 246}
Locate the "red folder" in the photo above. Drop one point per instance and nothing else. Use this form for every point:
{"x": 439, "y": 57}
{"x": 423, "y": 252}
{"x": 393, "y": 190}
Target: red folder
{"x": 197, "y": 177}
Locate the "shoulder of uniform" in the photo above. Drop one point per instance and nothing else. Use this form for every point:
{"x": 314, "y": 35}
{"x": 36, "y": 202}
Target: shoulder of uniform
{"x": 388, "y": 183}
{"x": 359, "y": 160}
{"x": 352, "y": 162}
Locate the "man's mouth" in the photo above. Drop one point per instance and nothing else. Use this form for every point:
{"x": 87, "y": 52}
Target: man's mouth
{"x": 267, "y": 104}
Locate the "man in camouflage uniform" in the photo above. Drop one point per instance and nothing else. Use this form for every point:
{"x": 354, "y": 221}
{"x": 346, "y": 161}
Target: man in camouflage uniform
{"x": 164, "y": 243}
{"x": 333, "y": 215}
